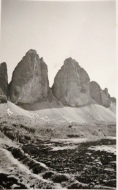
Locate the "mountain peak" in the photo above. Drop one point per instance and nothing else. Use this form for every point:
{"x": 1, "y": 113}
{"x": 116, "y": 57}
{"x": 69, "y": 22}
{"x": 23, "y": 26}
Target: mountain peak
{"x": 29, "y": 80}
{"x": 71, "y": 84}
{"x": 70, "y": 61}
{"x": 3, "y": 64}
{"x": 31, "y": 51}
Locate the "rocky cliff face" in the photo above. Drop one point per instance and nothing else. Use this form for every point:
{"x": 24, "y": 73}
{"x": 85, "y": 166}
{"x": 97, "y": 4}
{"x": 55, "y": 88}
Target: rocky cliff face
{"x": 71, "y": 84}
{"x": 102, "y": 97}
{"x": 113, "y": 100}
{"x": 3, "y": 83}
{"x": 30, "y": 80}
{"x": 106, "y": 99}
{"x": 95, "y": 92}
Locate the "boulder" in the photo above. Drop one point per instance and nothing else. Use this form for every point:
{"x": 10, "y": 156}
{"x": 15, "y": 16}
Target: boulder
{"x": 3, "y": 82}
{"x": 29, "y": 82}
{"x": 71, "y": 84}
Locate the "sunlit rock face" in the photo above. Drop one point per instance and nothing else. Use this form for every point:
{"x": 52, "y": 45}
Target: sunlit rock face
{"x": 71, "y": 84}
{"x": 29, "y": 82}
{"x": 3, "y": 83}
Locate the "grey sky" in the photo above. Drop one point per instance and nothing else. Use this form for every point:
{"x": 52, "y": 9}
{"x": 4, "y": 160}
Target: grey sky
{"x": 83, "y": 30}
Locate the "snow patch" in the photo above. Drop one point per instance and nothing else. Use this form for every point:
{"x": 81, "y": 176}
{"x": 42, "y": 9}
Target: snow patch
{"x": 9, "y": 112}
{"x": 70, "y": 140}
{"x": 63, "y": 148}
{"x": 107, "y": 148}
{"x": 110, "y": 137}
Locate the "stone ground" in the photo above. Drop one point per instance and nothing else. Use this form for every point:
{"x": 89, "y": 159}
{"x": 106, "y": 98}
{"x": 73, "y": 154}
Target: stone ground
{"x": 29, "y": 161}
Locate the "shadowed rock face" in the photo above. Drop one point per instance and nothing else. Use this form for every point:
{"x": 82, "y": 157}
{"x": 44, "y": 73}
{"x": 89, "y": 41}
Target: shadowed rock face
{"x": 113, "y": 100}
{"x": 100, "y": 96}
{"x": 71, "y": 84}
{"x": 3, "y": 83}
{"x": 29, "y": 80}
{"x": 95, "y": 92}
{"x": 106, "y": 99}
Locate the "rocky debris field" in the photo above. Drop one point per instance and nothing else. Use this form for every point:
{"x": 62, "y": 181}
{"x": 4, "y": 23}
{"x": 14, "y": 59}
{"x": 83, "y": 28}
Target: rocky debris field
{"x": 28, "y": 161}
{"x": 91, "y": 167}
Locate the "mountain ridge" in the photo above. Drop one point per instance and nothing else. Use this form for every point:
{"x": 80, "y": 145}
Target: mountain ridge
{"x": 72, "y": 85}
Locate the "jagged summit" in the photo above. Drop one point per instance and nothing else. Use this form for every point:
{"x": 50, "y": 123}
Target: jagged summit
{"x": 31, "y": 54}
{"x": 106, "y": 91}
{"x": 71, "y": 62}
{"x": 3, "y": 64}
{"x": 42, "y": 59}
{"x": 31, "y": 51}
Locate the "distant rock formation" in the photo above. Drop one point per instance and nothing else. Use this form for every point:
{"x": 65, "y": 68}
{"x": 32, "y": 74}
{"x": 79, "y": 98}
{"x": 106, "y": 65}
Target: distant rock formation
{"x": 3, "y": 82}
{"x": 102, "y": 97}
{"x": 29, "y": 82}
{"x": 106, "y": 99}
{"x": 95, "y": 92}
{"x": 71, "y": 84}
{"x": 113, "y": 100}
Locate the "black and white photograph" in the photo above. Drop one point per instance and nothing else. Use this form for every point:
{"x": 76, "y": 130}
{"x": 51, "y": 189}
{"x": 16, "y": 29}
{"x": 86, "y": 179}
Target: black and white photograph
{"x": 58, "y": 94}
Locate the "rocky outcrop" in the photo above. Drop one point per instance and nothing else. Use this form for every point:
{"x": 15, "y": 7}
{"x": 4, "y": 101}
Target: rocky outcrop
{"x": 106, "y": 99}
{"x": 100, "y": 96}
{"x": 3, "y": 83}
{"x": 71, "y": 84}
{"x": 95, "y": 92}
{"x": 113, "y": 100}
{"x": 29, "y": 80}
